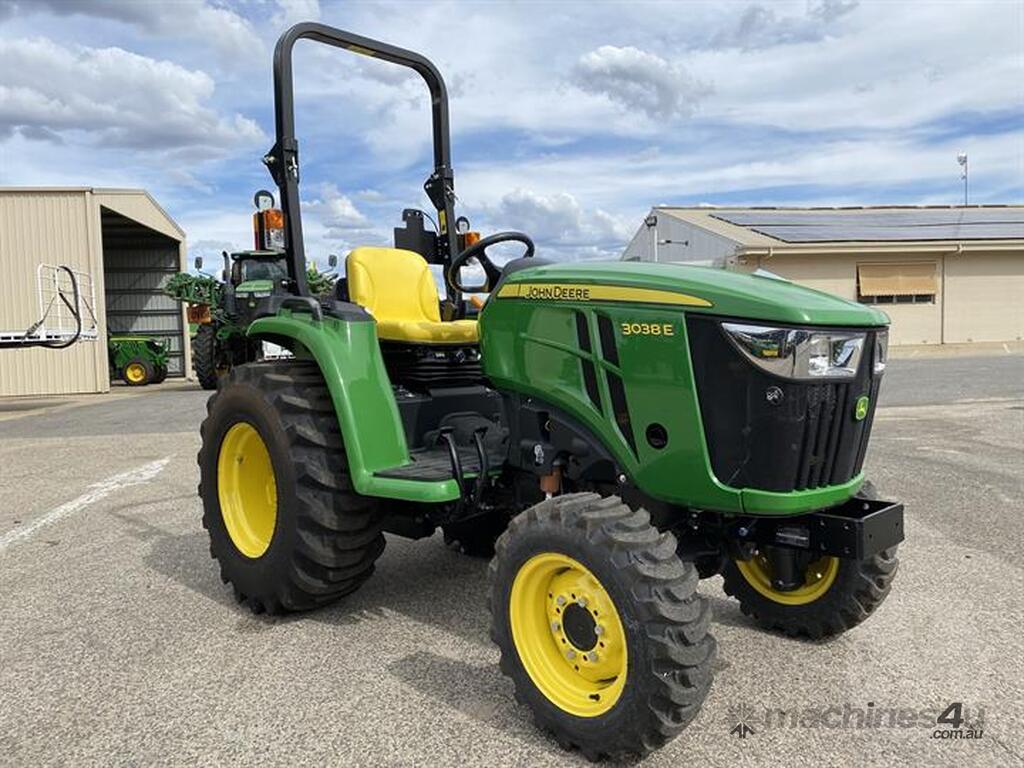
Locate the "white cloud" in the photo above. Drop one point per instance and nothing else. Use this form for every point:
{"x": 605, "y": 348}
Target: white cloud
{"x": 642, "y": 81}
{"x": 761, "y": 27}
{"x": 291, "y": 12}
{"x": 592, "y": 121}
{"x": 217, "y": 26}
{"x": 335, "y": 212}
{"x": 113, "y": 98}
{"x": 558, "y": 223}
{"x": 840, "y": 170}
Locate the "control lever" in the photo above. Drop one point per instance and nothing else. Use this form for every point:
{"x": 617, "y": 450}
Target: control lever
{"x": 446, "y": 436}
{"x": 485, "y": 464}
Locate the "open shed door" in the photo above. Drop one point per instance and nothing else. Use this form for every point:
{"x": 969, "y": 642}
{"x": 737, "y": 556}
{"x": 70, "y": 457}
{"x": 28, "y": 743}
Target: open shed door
{"x": 137, "y": 263}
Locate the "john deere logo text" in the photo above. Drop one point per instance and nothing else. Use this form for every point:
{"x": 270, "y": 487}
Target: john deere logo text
{"x": 557, "y": 292}
{"x": 860, "y": 408}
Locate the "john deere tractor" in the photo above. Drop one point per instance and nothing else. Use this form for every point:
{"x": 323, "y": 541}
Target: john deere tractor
{"x": 220, "y": 311}
{"x": 137, "y": 360}
{"x": 611, "y": 431}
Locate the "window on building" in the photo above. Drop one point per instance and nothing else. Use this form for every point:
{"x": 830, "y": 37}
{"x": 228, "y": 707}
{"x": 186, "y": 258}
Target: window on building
{"x": 909, "y": 283}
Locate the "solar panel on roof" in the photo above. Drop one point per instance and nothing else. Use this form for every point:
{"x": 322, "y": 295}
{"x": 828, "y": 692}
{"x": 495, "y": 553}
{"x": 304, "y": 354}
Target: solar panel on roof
{"x": 878, "y": 225}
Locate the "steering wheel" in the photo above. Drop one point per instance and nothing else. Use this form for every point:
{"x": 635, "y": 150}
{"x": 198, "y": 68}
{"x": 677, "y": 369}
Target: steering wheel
{"x": 478, "y": 251}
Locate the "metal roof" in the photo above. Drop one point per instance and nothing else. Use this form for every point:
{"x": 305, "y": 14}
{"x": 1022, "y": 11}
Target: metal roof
{"x": 997, "y": 227}
{"x": 874, "y": 225}
{"x": 136, "y": 204}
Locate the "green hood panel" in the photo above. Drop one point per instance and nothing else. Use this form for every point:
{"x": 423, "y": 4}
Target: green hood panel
{"x": 255, "y": 286}
{"x": 731, "y": 294}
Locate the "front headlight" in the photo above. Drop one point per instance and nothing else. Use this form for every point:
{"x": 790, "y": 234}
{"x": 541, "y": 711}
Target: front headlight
{"x": 799, "y": 353}
{"x": 881, "y": 351}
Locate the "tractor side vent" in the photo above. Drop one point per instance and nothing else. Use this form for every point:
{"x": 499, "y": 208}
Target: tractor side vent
{"x": 616, "y": 389}
{"x": 606, "y": 331}
{"x": 618, "y": 395}
{"x": 589, "y": 374}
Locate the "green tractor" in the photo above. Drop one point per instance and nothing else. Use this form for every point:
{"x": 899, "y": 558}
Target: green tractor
{"x": 220, "y": 310}
{"x": 137, "y": 360}
{"x": 612, "y": 432}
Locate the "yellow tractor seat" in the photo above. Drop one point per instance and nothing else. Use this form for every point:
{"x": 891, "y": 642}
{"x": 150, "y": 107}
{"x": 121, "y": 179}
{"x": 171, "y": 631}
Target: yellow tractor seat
{"x": 397, "y": 288}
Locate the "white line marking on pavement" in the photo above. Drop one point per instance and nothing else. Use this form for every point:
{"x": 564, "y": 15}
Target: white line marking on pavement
{"x": 96, "y": 492}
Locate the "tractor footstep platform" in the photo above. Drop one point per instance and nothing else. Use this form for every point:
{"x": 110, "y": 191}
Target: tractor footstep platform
{"x": 435, "y": 464}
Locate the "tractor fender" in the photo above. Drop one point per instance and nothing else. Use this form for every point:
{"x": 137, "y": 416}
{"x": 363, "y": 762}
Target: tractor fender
{"x": 348, "y": 354}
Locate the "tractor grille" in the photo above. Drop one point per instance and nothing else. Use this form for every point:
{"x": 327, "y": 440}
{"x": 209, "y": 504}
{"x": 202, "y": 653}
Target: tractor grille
{"x": 776, "y": 434}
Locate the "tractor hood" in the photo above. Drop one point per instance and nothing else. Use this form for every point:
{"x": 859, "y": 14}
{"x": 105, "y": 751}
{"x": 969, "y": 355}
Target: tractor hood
{"x": 700, "y": 289}
{"x": 255, "y": 286}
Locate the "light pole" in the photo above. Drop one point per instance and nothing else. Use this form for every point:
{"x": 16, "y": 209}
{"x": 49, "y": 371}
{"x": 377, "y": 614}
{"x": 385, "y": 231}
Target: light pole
{"x": 961, "y": 158}
{"x": 652, "y": 225}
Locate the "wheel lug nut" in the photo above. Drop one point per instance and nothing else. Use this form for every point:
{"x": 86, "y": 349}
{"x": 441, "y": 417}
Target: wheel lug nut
{"x": 582, "y": 602}
{"x": 570, "y": 655}
{"x": 555, "y": 626}
{"x": 598, "y": 630}
{"x": 560, "y": 600}
{"x": 592, "y": 656}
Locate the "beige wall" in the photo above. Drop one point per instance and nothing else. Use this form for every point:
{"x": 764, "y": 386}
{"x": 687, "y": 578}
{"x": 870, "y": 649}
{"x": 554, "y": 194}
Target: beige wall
{"x": 984, "y": 296}
{"x": 980, "y": 295}
{"x": 837, "y": 274}
{"x": 51, "y": 228}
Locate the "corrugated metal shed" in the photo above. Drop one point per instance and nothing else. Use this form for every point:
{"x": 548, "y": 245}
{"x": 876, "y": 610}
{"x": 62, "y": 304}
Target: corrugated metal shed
{"x": 64, "y": 226}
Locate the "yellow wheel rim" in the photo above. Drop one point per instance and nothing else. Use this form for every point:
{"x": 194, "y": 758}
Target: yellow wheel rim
{"x": 568, "y": 634}
{"x": 135, "y": 373}
{"x": 247, "y": 490}
{"x": 818, "y": 579}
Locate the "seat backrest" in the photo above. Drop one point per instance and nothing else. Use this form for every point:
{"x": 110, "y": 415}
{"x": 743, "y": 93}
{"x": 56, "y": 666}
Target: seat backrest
{"x": 392, "y": 284}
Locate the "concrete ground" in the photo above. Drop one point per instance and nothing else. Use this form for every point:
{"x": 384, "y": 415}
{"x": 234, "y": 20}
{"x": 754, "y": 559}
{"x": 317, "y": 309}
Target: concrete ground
{"x": 119, "y": 644}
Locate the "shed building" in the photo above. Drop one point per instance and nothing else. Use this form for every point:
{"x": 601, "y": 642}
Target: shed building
{"x": 129, "y": 247}
{"x": 942, "y": 274}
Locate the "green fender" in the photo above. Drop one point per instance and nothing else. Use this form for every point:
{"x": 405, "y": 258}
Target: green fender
{"x": 348, "y": 354}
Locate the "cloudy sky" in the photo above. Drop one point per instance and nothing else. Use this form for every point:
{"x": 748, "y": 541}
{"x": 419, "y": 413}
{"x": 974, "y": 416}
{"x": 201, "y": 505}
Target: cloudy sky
{"x": 569, "y": 119}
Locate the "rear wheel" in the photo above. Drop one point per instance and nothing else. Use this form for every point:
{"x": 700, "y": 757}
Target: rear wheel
{"x": 599, "y": 625}
{"x": 137, "y": 372}
{"x": 205, "y": 357}
{"x": 285, "y": 524}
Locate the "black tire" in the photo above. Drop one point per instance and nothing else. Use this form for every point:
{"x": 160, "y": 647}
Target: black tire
{"x": 147, "y": 368}
{"x": 860, "y": 586}
{"x": 326, "y": 536}
{"x": 665, "y": 621}
{"x": 160, "y": 374}
{"x": 204, "y": 356}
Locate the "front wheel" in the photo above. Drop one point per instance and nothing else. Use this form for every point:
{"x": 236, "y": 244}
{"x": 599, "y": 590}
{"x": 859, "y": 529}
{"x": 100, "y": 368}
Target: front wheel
{"x": 137, "y": 372}
{"x": 837, "y": 593}
{"x": 206, "y": 356}
{"x": 599, "y": 625}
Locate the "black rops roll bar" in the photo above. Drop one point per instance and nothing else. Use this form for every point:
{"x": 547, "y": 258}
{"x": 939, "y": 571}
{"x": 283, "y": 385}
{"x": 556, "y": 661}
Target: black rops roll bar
{"x": 283, "y": 159}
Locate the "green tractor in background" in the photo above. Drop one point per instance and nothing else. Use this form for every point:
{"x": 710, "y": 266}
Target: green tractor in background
{"x": 612, "y": 432}
{"x": 220, "y": 311}
{"x": 137, "y": 360}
